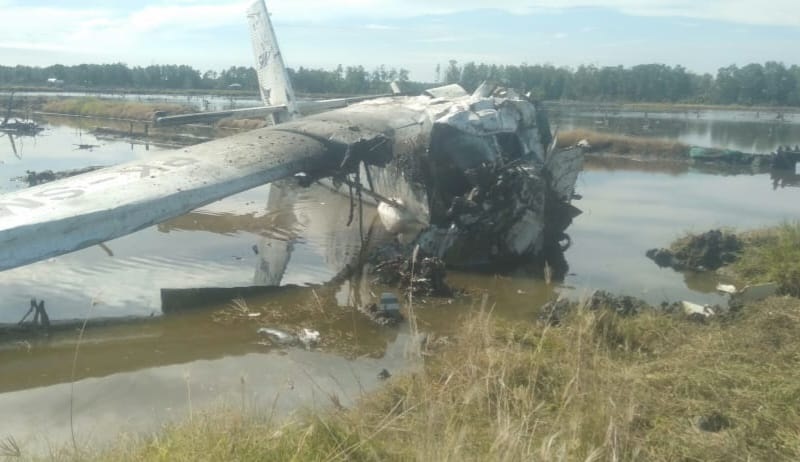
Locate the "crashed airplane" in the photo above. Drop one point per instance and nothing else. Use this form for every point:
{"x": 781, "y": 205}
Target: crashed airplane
{"x": 473, "y": 179}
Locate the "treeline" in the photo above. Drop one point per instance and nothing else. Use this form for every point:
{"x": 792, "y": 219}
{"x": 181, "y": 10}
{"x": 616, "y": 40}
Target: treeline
{"x": 769, "y": 84}
{"x": 345, "y": 80}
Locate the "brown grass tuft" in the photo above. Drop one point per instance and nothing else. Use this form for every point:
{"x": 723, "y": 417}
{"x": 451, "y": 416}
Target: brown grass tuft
{"x": 625, "y": 145}
{"x": 94, "y": 107}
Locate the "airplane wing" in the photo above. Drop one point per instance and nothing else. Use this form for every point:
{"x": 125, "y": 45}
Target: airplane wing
{"x": 78, "y": 212}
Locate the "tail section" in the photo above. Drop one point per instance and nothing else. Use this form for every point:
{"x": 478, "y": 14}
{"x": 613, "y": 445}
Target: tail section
{"x": 273, "y": 79}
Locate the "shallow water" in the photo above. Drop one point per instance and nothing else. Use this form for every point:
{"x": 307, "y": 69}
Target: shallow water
{"x": 133, "y": 376}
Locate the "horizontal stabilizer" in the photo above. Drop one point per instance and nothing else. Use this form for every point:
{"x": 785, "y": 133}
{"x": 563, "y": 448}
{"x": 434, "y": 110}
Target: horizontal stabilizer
{"x": 213, "y": 116}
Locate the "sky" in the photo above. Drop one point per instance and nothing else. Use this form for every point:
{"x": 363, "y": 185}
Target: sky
{"x": 701, "y": 35}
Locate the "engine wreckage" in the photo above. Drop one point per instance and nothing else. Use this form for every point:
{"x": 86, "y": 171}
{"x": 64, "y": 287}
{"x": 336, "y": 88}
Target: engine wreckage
{"x": 472, "y": 180}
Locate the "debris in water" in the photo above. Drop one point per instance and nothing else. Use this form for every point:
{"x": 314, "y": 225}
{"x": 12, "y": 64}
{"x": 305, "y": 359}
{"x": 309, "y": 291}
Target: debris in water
{"x": 308, "y": 337}
{"x": 277, "y": 336}
{"x": 425, "y": 277}
{"x": 33, "y": 178}
{"x": 86, "y": 147}
{"x": 555, "y": 311}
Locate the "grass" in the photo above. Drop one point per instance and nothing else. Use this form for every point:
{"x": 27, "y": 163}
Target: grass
{"x": 670, "y": 107}
{"x": 95, "y": 107}
{"x": 625, "y": 145}
{"x": 598, "y": 387}
{"x": 242, "y": 124}
{"x": 772, "y": 255}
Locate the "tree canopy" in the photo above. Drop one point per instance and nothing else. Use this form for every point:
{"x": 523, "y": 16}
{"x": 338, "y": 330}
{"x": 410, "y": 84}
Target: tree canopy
{"x": 771, "y": 83}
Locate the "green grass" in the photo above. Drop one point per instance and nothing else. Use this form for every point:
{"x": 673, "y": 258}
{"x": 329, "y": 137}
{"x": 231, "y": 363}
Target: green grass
{"x": 772, "y": 255}
{"x": 597, "y": 387}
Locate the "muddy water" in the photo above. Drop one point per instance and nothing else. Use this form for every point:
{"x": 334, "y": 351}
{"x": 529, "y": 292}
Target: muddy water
{"x": 135, "y": 375}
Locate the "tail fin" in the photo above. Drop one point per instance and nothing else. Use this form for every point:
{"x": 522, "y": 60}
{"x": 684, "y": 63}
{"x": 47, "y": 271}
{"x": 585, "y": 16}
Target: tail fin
{"x": 273, "y": 79}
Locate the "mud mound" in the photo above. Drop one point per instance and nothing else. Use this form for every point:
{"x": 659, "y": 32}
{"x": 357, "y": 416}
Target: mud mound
{"x": 699, "y": 252}
{"x": 624, "y": 305}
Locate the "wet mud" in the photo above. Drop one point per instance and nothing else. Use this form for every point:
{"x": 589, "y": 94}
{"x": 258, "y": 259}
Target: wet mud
{"x": 707, "y": 251}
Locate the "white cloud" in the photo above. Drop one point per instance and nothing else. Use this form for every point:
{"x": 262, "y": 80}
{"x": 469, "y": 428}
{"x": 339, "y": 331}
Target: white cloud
{"x": 110, "y": 26}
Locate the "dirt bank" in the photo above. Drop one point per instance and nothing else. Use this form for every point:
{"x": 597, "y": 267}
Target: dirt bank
{"x": 604, "y": 147}
{"x": 752, "y": 257}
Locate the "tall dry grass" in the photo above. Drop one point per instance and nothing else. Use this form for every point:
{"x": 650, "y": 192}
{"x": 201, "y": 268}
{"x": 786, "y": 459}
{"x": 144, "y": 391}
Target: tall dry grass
{"x": 624, "y": 144}
{"x": 94, "y": 107}
{"x": 772, "y": 255}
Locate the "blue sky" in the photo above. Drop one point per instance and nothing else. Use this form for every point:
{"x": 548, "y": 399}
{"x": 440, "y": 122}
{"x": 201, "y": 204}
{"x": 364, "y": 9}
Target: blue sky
{"x": 702, "y": 35}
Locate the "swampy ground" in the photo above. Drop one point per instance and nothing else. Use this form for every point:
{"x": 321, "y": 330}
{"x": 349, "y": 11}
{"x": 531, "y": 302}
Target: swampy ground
{"x": 492, "y": 382}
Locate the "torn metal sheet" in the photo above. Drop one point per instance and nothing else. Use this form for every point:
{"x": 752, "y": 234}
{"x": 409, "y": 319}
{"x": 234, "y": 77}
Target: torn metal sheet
{"x": 750, "y": 293}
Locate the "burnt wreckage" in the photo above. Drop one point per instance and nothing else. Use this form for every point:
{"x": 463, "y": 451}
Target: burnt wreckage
{"x": 473, "y": 180}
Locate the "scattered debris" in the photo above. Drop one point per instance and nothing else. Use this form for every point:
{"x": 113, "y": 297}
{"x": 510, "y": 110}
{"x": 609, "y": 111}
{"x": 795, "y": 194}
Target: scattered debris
{"x": 426, "y": 277}
{"x": 306, "y": 337}
{"x": 86, "y": 147}
{"x": 699, "y": 252}
{"x": 624, "y": 305}
{"x": 554, "y": 312}
{"x": 17, "y": 126}
{"x": 726, "y": 288}
{"x": 697, "y": 312}
{"x": 751, "y": 293}
{"x": 309, "y": 338}
{"x": 386, "y": 312}
{"x": 382, "y": 318}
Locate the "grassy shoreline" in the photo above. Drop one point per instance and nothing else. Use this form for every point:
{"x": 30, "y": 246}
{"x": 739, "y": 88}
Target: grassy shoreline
{"x": 666, "y": 107}
{"x": 95, "y": 107}
{"x": 599, "y": 385}
{"x": 601, "y": 142}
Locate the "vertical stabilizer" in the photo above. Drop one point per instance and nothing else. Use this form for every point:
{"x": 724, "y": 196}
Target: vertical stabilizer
{"x": 273, "y": 79}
